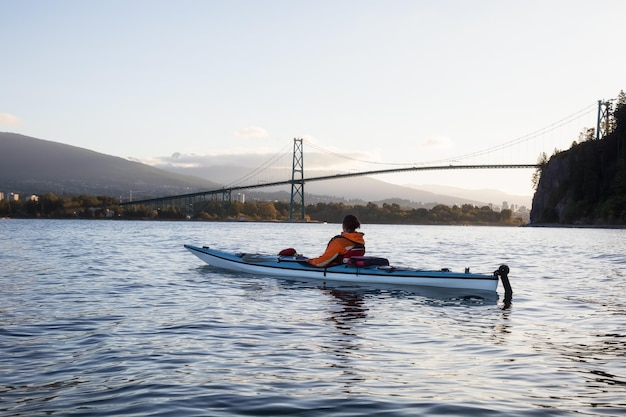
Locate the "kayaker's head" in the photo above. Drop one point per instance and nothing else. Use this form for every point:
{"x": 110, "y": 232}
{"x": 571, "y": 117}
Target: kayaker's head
{"x": 350, "y": 223}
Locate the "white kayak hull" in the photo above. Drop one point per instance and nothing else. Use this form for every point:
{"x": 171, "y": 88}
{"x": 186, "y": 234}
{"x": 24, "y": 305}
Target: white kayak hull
{"x": 294, "y": 268}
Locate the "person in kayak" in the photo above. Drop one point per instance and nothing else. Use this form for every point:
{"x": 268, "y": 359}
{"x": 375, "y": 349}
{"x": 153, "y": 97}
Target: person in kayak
{"x": 348, "y": 242}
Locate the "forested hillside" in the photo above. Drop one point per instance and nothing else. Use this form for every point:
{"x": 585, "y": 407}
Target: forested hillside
{"x": 36, "y": 166}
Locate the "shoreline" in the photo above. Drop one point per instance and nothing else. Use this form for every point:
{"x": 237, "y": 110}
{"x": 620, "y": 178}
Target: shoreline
{"x": 538, "y": 225}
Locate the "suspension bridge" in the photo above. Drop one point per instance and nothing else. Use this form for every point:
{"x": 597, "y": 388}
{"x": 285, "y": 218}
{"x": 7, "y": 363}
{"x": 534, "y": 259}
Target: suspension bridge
{"x": 296, "y": 180}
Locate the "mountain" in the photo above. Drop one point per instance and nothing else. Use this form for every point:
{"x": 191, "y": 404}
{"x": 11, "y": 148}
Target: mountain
{"x": 370, "y": 189}
{"x": 495, "y": 197}
{"x": 35, "y": 166}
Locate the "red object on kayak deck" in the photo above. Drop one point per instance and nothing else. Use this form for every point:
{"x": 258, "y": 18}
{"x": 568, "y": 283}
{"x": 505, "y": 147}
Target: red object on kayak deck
{"x": 288, "y": 252}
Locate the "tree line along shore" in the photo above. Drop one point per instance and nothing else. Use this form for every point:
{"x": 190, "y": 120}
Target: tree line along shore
{"x": 51, "y": 206}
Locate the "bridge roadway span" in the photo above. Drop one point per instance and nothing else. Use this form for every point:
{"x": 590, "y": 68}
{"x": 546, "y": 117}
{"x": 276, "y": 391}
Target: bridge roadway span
{"x": 327, "y": 177}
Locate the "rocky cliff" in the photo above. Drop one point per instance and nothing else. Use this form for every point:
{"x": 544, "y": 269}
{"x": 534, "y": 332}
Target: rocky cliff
{"x": 585, "y": 185}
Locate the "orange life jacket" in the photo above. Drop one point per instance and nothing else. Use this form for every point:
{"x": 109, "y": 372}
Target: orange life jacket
{"x": 338, "y": 247}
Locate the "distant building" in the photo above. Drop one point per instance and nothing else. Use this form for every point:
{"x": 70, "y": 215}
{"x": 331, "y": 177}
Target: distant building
{"x": 505, "y": 205}
{"x": 9, "y": 196}
{"x": 240, "y": 197}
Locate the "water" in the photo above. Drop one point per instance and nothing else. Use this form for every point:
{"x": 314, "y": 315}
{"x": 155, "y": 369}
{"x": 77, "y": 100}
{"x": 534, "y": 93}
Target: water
{"x": 104, "y": 318}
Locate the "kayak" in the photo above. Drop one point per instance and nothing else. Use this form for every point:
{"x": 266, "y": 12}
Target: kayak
{"x": 357, "y": 270}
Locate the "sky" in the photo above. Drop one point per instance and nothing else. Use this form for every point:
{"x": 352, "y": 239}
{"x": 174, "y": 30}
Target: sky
{"x": 394, "y": 82}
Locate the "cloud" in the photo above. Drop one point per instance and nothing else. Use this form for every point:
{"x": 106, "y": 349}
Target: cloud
{"x": 180, "y": 160}
{"x": 437, "y": 143}
{"x": 7, "y": 119}
{"x": 251, "y": 132}
{"x": 228, "y": 166}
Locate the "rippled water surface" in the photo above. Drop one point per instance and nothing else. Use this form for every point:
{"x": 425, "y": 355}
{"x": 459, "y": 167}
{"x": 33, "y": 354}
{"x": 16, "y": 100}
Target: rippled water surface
{"x": 113, "y": 318}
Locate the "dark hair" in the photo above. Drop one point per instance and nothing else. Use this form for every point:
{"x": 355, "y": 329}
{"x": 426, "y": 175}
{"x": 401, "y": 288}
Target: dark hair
{"x": 351, "y": 223}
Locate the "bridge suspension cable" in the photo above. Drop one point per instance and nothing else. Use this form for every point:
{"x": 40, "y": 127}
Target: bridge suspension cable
{"x": 338, "y": 155}
{"x": 280, "y": 154}
{"x": 525, "y": 138}
{"x": 517, "y": 141}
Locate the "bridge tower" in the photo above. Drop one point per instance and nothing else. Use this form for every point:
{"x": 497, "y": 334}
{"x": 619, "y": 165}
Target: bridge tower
{"x": 297, "y": 179}
{"x": 604, "y": 119}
